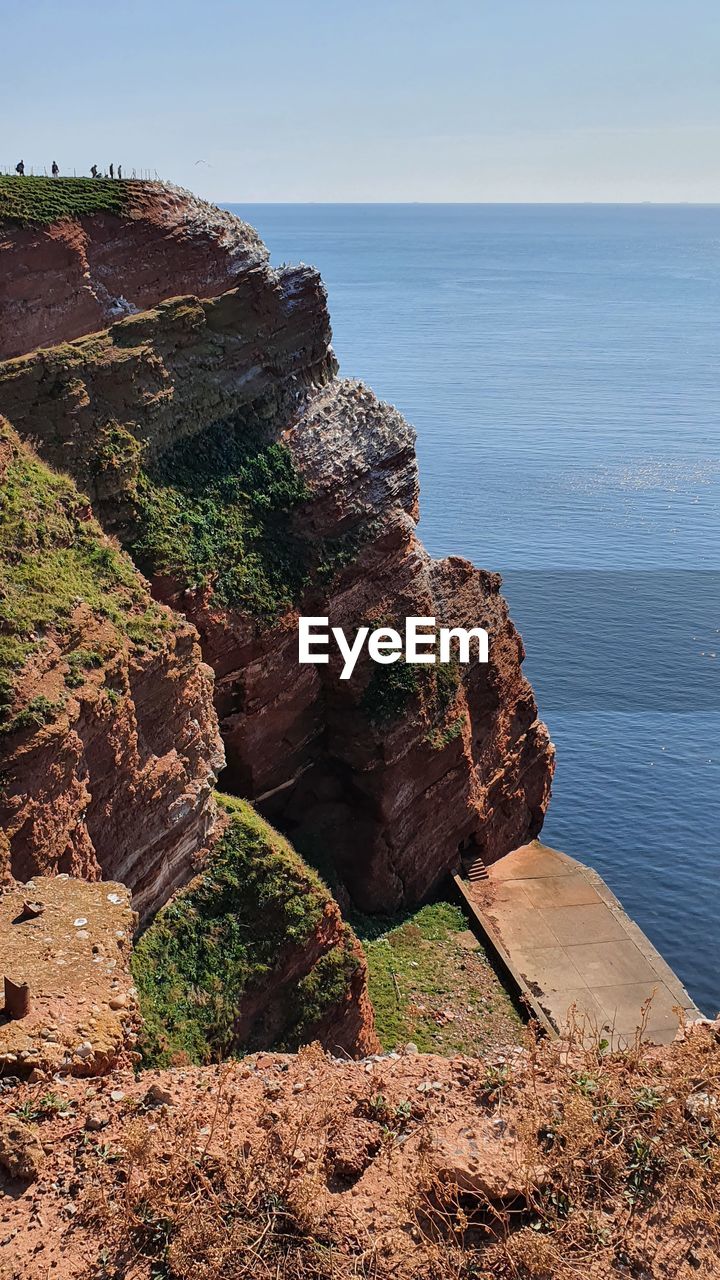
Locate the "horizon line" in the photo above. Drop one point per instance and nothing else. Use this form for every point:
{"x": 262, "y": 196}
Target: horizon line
{"x": 697, "y": 204}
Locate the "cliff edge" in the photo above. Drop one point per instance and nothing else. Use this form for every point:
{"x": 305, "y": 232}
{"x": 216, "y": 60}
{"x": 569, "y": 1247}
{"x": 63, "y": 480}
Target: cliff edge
{"x": 94, "y": 251}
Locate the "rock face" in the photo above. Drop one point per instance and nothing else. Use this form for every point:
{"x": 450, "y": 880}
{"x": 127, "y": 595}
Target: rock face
{"x": 109, "y": 746}
{"x": 168, "y": 421}
{"x": 90, "y": 270}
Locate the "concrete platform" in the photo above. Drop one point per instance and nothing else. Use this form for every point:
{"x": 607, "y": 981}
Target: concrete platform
{"x": 563, "y": 933}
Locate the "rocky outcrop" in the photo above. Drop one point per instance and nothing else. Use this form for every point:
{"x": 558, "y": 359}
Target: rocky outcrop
{"x": 226, "y": 416}
{"x": 89, "y": 270}
{"x": 109, "y": 746}
{"x": 252, "y": 953}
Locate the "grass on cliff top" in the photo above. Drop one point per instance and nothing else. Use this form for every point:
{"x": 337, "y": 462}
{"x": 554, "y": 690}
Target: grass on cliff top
{"x": 31, "y": 201}
{"x": 221, "y": 939}
{"x": 432, "y": 984}
{"x": 52, "y": 557}
{"x": 218, "y": 510}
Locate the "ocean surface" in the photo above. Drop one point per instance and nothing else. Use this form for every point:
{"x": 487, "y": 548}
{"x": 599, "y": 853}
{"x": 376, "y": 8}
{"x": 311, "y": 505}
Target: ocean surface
{"x": 561, "y": 367}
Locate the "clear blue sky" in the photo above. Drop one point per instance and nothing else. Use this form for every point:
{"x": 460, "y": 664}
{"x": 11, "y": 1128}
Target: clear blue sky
{"x": 295, "y": 100}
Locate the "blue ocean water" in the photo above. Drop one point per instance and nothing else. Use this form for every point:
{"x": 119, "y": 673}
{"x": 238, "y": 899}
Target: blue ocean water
{"x": 560, "y": 365}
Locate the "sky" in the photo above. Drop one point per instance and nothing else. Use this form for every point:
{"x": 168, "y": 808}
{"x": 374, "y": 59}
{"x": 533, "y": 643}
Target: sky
{"x": 371, "y": 100}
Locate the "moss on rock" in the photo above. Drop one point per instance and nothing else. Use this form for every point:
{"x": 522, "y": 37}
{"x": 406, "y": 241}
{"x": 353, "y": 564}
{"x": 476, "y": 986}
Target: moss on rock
{"x": 230, "y": 934}
{"x": 53, "y": 558}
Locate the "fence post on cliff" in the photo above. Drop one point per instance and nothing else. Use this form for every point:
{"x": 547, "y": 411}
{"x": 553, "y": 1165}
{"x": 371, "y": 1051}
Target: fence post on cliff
{"x": 17, "y": 999}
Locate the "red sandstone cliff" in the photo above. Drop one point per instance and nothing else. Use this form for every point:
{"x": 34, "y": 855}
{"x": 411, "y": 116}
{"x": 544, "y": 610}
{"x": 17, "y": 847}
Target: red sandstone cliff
{"x": 400, "y": 797}
{"x": 109, "y": 746}
{"x": 77, "y": 275}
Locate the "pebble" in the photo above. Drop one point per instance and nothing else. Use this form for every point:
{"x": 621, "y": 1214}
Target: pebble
{"x": 80, "y": 922}
{"x": 156, "y": 1096}
{"x": 118, "y": 1002}
{"x": 117, "y": 1095}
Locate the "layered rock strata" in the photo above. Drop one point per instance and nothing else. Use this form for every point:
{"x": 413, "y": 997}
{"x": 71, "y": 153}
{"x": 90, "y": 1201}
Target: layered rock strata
{"x": 92, "y": 269}
{"x": 227, "y": 416}
{"x": 109, "y": 746}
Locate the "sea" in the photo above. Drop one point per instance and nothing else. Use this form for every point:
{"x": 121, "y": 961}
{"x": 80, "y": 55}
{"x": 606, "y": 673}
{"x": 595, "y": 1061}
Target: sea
{"x": 561, "y": 366}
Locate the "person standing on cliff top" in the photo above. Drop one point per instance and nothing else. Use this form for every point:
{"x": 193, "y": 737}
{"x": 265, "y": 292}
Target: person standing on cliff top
{"x": 112, "y": 171}
{"x": 20, "y": 168}
{"x": 119, "y": 171}
{"x": 94, "y": 170}
{"x": 55, "y": 169}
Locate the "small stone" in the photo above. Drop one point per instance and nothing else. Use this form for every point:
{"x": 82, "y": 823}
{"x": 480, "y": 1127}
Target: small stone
{"x": 84, "y": 1050}
{"x": 82, "y": 933}
{"x": 700, "y": 1106}
{"x": 117, "y": 1095}
{"x": 411, "y": 1047}
{"x": 156, "y": 1096}
{"x": 94, "y": 1122}
{"x": 20, "y": 1152}
{"x": 31, "y": 909}
{"x": 79, "y": 923}
{"x": 118, "y": 1002}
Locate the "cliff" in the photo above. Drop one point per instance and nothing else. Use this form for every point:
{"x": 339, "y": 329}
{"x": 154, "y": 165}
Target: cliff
{"x": 109, "y": 745}
{"x": 109, "y": 749}
{"x": 94, "y": 251}
{"x": 249, "y": 483}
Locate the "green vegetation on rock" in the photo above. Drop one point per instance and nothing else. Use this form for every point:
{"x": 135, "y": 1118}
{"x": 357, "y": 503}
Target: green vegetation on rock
{"x": 218, "y": 510}
{"x": 53, "y": 556}
{"x": 389, "y": 690}
{"x": 36, "y": 201}
{"x": 391, "y": 687}
{"x": 432, "y": 984}
{"x": 223, "y": 937}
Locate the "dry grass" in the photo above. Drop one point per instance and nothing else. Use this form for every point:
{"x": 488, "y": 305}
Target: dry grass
{"x": 617, "y": 1162}
{"x": 621, "y": 1161}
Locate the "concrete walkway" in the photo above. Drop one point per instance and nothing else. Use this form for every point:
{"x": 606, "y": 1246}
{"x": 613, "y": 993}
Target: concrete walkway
{"x": 568, "y": 938}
